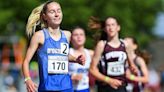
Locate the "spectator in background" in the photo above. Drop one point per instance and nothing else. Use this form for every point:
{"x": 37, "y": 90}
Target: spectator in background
{"x": 153, "y": 82}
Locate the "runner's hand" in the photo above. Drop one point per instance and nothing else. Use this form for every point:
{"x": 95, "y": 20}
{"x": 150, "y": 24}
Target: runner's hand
{"x": 31, "y": 86}
{"x": 77, "y": 77}
{"x": 81, "y": 59}
{"x": 134, "y": 69}
{"x": 114, "y": 83}
{"x": 128, "y": 73}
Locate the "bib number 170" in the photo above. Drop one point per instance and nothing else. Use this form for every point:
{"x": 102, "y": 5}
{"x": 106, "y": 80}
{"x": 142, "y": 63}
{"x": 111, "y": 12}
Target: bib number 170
{"x": 57, "y": 67}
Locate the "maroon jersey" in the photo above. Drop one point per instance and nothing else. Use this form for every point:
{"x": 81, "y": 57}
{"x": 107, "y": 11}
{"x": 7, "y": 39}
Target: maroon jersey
{"x": 113, "y": 61}
{"x": 137, "y": 86}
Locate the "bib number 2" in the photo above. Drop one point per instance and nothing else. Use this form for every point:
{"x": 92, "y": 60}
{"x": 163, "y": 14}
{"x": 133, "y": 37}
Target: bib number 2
{"x": 64, "y": 48}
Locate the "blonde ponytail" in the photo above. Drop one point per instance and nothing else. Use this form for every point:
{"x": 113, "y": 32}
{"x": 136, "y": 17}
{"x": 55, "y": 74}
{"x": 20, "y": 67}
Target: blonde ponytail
{"x": 34, "y": 20}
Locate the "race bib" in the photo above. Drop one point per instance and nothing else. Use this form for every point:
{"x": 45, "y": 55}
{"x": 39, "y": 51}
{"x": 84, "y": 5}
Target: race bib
{"x": 115, "y": 68}
{"x": 57, "y": 64}
{"x": 64, "y": 48}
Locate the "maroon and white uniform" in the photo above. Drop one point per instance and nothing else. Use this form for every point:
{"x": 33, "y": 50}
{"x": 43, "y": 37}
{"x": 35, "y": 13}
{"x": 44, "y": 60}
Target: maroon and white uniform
{"x": 113, "y": 61}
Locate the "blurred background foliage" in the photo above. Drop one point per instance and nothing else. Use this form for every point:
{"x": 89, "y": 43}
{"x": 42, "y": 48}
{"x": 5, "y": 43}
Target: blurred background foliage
{"x": 136, "y": 17}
